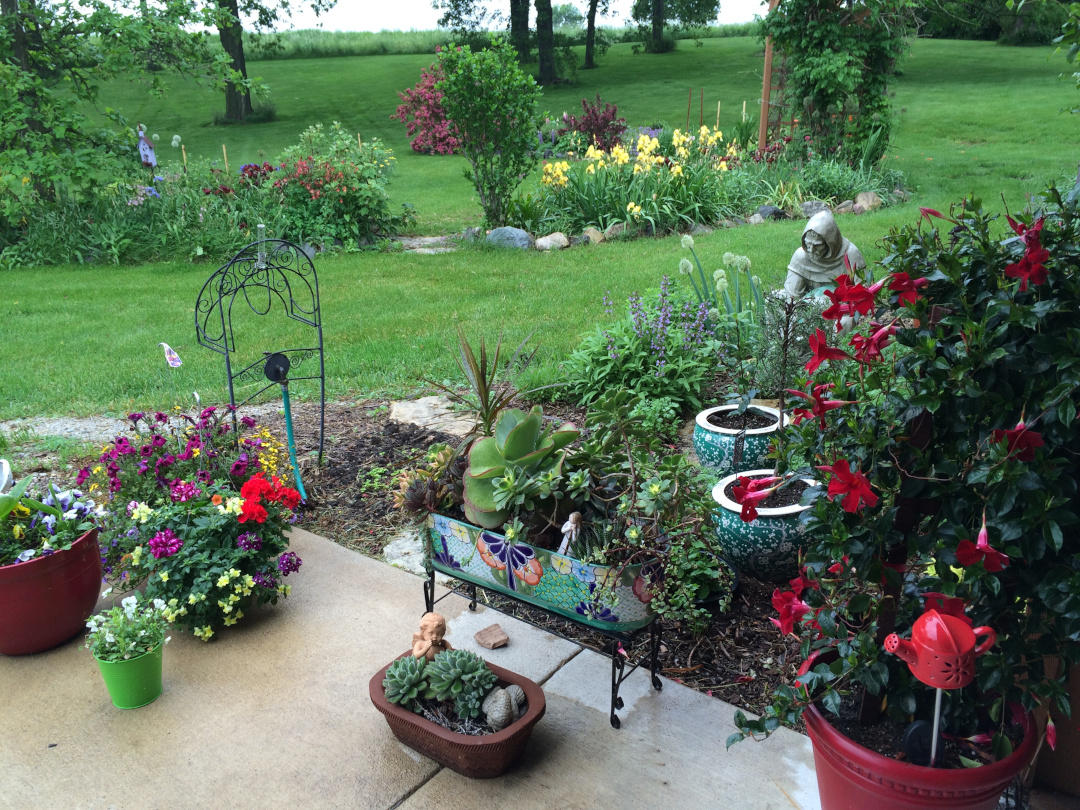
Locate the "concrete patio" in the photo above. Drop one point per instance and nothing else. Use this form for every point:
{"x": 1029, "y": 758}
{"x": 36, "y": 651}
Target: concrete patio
{"x": 276, "y": 712}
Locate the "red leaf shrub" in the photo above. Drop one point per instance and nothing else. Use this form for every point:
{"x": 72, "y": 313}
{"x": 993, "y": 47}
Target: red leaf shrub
{"x": 422, "y": 114}
{"x": 600, "y": 126}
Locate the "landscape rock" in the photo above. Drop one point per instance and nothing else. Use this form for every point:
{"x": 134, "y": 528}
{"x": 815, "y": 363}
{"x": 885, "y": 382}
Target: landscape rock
{"x": 900, "y": 194}
{"x": 471, "y": 234}
{"x": 615, "y": 230}
{"x": 700, "y": 230}
{"x": 811, "y": 207}
{"x": 433, "y": 413}
{"x": 406, "y": 551}
{"x": 553, "y": 241}
{"x": 492, "y": 637}
{"x": 858, "y": 209}
{"x": 755, "y": 219}
{"x": 771, "y": 212}
{"x": 869, "y": 200}
{"x": 844, "y": 207}
{"x": 728, "y": 223}
{"x": 595, "y": 237}
{"x": 510, "y": 238}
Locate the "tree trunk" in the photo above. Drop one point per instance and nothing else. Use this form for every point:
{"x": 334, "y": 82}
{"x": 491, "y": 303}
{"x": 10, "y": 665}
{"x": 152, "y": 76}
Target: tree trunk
{"x": 590, "y": 36}
{"x": 237, "y": 101}
{"x": 519, "y": 28}
{"x": 545, "y": 41}
{"x": 657, "y": 25}
{"x": 9, "y": 9}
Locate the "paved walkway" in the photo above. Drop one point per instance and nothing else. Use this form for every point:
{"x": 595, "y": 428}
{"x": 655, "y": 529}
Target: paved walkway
{"x": 275, "y": 712}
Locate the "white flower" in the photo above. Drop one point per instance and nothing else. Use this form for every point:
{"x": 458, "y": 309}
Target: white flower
{"x": 160, "y": 603}
{"x": 685, "y": 267}
{"x": 175, "y": 141}
{"x": 757, "y": 282}
{"x": 169, "y": 638}
{"x": 106, "y": 592}
{"x": 719, "y": 274}
{"x": 109, "y": 637}
{"x": 129, "y": 603}
{"x": 729, "y": 258}
{"x": 155, "y": 137}
{"x": 688, "y": 242}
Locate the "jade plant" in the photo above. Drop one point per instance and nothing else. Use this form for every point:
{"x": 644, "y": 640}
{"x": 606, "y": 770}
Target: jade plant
{"x": 517, "y": 467}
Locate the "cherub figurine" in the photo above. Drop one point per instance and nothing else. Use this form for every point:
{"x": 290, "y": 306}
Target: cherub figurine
{"x": 429, "y": 642}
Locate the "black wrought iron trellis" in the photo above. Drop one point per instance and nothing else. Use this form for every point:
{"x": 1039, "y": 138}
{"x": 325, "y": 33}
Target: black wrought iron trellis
{"x": 259, "y": 273}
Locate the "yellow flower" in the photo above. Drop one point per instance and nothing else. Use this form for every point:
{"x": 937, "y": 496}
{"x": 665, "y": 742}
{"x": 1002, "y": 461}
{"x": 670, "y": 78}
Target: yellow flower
{"x": 591, "y": 169}
{"x": 195, "y": 450}
{"x": 249, "y": 580}
{"x": 136, "y": 555}
{"x": 164, "y": 576}
{"x": 233, "y": 573}
{"x": 677, "y": 170}
{"x": 223, "y": 581}
{"x": 204, "y": 633}
{"x": 20, "y": 534}
{"x": 172, "y": 602}
{"x": 25, "y": 180}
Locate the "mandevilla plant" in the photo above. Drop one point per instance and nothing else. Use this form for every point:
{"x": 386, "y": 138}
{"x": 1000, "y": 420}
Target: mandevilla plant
{"x": 944, "y": 427}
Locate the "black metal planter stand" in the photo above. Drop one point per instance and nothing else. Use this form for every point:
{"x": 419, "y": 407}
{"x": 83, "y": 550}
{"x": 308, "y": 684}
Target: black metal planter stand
{"x": 621, "y": 668}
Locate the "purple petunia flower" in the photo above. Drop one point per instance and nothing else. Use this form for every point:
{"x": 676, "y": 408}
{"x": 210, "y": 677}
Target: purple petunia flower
{"x": 165, "y": 543}
{"x": 288, "y": 562}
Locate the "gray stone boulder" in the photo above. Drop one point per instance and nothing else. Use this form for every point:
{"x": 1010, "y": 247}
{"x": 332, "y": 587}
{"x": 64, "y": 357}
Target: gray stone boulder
{"x": 868, "y": 200}
{"x": 615, "y": 230}
{"x": 755, "y": 219}
{"x": 553, "y": 241}
{"x": 595, "y": 237}
{"x": 771, "y": 212}
{"x": 844, "y": 207}
{"x": 510, "y": 238}
{"x": 811, "y": 207}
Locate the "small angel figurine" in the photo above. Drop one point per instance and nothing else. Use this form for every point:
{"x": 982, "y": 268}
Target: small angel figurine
{"x": 429, "y": 642}
{"x": 570, "y": 531}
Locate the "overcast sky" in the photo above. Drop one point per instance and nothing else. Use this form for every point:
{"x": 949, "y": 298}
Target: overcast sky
{"x": 403, "y": 15}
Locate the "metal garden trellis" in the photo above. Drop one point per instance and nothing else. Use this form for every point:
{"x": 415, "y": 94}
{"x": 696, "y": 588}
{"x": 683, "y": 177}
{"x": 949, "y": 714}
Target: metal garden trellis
{"x": 262, "y": 271}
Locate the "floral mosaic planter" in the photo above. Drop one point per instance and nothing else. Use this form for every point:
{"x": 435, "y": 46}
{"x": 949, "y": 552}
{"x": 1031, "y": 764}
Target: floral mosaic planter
{"x": 767, "y": 548}
{"x": 45, "y": 601}
{"x": 607, "y": 598}
{"x": 715, "y": 446}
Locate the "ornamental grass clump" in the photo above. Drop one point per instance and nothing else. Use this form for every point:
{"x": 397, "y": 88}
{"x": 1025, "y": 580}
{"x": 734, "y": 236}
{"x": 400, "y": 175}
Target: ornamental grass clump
{"x": 133, "y": 628}
{"x": 943, "y": 429}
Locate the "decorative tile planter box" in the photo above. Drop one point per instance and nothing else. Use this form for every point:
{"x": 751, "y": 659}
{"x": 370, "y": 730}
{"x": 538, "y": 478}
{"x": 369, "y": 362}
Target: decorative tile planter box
{"x": 606, "y": 598}
{"x": 767, "y": 548}
{"x": 715, "y": 446}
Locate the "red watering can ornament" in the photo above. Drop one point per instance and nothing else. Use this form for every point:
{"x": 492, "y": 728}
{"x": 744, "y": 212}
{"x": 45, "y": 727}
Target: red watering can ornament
{"x": 942, "y": 654}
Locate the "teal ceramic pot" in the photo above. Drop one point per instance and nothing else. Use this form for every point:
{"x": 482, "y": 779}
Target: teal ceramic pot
{"x": 612, "y": 598}
{"x": 715, "y": 446}
{"x": 767, "y": 548}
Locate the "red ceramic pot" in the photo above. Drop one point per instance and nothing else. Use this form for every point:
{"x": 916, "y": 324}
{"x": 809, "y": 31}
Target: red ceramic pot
{"x": 851, "y": 777}
{"x": 45, "y": 601}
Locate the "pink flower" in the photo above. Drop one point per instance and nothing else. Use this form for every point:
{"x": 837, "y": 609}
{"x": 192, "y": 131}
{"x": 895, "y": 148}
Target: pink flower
{"x": 1021, "y": 441}
{"x": 165, "y": 543}
{"x": 852, "y": 484}
{"x": 790, "y": 608}
{"x": 181, "y": 491}
{"x": 1051, "y": 733}
{"x": 968, "y": 554}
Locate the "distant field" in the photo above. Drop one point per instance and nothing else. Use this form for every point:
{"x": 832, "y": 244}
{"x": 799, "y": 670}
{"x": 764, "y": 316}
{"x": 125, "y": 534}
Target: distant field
{"x": 972, "y": 117}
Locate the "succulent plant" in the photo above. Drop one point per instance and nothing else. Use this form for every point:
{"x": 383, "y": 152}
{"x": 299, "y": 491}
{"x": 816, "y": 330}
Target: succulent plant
{"x": 405, "y": 681}
{"x": 461, "y": 676}
{"x": 520, "y": 447}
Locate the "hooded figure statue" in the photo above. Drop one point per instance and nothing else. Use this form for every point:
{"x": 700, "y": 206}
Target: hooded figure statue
{"x": 821, "y": 258}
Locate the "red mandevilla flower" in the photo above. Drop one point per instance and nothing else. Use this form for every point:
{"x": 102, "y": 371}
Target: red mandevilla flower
{"x": 790, "y": 608}
{"x": 947, "y": 606}
{"x": 1021, "y": 441}
{"x": 968, "y": 553}
{"x": 868, "y": 348}
{"x": 820, "y": 407}
{"x": 848, "y": 299}
{"x": 906, "y": 286}
{"x": 1030, "y": 267}
{"x": 749, "y": 492}
{"x": 822, "y": 351}
{"x": 852, "y": 484}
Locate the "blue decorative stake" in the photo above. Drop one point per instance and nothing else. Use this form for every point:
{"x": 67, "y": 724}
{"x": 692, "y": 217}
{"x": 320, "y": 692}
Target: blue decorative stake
{"x": 277, "y": 371}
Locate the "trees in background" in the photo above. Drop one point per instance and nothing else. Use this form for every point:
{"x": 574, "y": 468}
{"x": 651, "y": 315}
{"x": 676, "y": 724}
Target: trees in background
{"x": 653, "y": 16}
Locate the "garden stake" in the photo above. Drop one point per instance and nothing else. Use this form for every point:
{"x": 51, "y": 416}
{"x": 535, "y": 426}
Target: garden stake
{"x": 701, "y": 112}
{"x": 689, "y": 101}
{"x": 718, "y": 115}
{"x": 226, "y": 154}
{"x": 937, "y": 726}
{"x": 183, "y": 151}
{"x": 359, "y": 142}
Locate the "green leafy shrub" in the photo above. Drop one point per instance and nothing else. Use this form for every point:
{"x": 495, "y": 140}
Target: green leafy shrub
{"x": 659, "y": 416}
{"x": 332, "y": 187}
{"x": 405, "y": 681}
{"x": 491, "y": 104}
{"x": 658, "y": 350}
{"x": 461, "y": 676}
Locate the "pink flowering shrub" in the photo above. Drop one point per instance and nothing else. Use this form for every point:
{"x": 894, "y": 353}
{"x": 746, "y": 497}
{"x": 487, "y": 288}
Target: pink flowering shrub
{"x": 423, "y": 115}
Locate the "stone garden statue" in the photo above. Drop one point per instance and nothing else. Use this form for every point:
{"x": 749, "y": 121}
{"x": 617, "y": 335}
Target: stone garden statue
{"x": 821, "y": 258}
{"x": 429, "y": 642}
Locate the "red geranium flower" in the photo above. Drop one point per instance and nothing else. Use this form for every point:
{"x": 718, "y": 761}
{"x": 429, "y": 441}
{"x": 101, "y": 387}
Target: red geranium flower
{"x": 852, "y": 484}
{"x": 252, "y": 510}
{"x": 1021, "y": 441}
{"x": 822, "y": 352}
{"x": 255, "y": 487}
{"x": 905, "y": 285}
{"x": 790, "y": 608}
{"x": 820, "y": 407}
{"x": 968, "y": 553}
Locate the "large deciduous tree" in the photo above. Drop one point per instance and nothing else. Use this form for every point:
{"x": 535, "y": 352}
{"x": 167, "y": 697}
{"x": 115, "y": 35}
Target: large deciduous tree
{"x": 654, "y": 15}
{"x": 545, "y": 42}
{"x": 595, "y": 7}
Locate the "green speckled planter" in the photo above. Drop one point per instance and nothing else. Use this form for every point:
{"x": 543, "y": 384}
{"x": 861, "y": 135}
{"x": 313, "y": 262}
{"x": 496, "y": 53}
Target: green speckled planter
{"x": 715, "y": 446}
{"x": 607, "y": 598}
{"x": 767, "y": 548}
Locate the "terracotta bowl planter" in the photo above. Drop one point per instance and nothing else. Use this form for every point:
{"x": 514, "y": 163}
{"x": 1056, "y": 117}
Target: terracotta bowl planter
{"x": 475, "y": 757}
{"x": 45, "y": 601}
{"x": 767, "y": 548}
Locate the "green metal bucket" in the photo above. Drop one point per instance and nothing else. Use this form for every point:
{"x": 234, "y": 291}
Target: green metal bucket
{"x": 135, "y": 682}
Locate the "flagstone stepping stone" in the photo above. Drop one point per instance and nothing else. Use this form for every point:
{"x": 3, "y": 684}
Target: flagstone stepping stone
{"x": 433, "y": 413}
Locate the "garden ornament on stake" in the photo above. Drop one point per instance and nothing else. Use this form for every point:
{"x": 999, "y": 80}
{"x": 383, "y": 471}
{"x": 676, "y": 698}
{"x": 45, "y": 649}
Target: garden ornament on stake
{"x": 277, "y": 370}
{"x": 265, "y": 270}
{"x": 941, "y": 654}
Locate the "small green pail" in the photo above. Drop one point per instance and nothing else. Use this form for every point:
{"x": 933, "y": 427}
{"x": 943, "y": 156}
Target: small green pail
{"x": 135, "y": 682}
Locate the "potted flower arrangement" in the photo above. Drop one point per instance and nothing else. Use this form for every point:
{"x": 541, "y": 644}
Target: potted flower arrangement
{"x": 454, "y": 707}
{"x": 50, "y": 568}
{"x": 126, "y": 641}
{"x": 607, "y": 530}
{"x": 199, "y": 517}
{"x": 951, "y": 492}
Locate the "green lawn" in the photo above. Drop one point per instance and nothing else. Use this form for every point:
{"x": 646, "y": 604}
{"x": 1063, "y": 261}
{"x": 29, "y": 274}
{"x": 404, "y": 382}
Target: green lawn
{"x": 972, "y": 117}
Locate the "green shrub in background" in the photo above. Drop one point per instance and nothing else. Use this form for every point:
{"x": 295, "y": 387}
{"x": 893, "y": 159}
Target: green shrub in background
{"x": 658, "y": 416}
{"x": 491, "y": 104}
